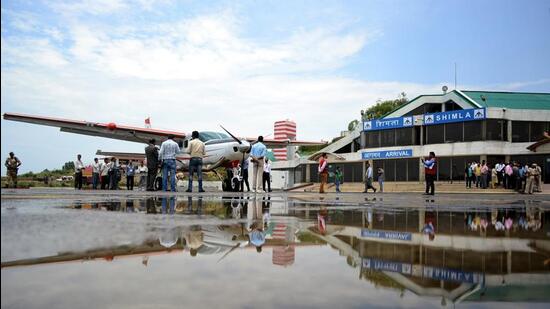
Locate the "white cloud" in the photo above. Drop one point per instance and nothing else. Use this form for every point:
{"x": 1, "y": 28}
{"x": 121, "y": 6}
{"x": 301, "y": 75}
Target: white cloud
{"x": 191, "y": 74}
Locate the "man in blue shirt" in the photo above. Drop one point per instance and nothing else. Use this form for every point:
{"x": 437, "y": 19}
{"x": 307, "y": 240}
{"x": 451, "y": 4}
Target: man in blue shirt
{"x": 258, "y": 154}
{"x": 167, "y": 156}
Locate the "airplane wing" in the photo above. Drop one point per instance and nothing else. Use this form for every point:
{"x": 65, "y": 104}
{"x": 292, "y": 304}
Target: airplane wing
{"x": 272, "y": 143}
{"x": 107, "y": 130}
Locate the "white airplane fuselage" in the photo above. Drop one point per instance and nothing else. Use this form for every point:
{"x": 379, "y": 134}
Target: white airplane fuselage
{"x": 221, "y": 152}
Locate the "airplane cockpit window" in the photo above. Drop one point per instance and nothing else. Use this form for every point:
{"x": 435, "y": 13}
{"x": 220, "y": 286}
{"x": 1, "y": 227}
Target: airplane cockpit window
{"x": 206, "y": 136}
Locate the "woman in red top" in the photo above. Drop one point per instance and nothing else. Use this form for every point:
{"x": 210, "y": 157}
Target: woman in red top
{"x": 323, "y": 172}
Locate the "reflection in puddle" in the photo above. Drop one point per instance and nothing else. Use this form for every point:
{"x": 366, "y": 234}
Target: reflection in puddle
{"x": 447, "y": 256}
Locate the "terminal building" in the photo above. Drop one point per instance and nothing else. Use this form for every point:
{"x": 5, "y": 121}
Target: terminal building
{"x": 459, "y": 126}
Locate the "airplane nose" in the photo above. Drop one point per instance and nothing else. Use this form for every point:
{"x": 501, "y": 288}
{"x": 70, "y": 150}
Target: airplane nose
{"x": 244, "y": 146}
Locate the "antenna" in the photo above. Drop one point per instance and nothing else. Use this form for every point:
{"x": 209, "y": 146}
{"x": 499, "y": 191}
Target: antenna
{"x": 455, "y": 75}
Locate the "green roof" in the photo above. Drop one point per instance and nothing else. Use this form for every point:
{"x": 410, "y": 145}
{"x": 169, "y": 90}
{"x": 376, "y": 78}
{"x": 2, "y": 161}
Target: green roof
{"x": 512, "y": 100}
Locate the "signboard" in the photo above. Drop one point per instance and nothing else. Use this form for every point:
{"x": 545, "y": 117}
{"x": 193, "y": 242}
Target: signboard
{"x": 396, "y": 267}
{"x": 447, "y": 274}
{"x": 427, "y": 272}
{"x": 427, "y": 119}
{"x": 455, "y": 116}
{"x": 388, "y": 123}
{"x": 390, "y": 154}
{"x": 386, "y": 234}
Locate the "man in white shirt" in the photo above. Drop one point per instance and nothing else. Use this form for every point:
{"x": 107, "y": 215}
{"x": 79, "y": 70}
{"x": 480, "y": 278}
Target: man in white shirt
{"x": 499, "y": 167}
{"x": 78, "y": 168}
{"x": 142, "y": 171}
{"x": 167, "y": 155}
{"x": 267, "y": 175}
{"x": 104, "y": 172}
{"x": 96, "y": 170}
{"x": 370, "y": 178}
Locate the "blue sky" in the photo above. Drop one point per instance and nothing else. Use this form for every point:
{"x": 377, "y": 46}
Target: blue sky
{"x": 197, "y": 64}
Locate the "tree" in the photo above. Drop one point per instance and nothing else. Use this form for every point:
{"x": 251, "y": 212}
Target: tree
{"x": 382, "y": 108}
{"x": 68, "y": 166}
{"x": 353, "y": 124}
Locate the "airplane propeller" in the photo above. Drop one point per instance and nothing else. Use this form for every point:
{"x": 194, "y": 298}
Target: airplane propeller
{"x": 233, "y": 136}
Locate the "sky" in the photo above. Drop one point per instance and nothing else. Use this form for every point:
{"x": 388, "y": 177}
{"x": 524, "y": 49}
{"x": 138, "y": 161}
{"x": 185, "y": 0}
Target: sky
{"x": 195, "y": 65}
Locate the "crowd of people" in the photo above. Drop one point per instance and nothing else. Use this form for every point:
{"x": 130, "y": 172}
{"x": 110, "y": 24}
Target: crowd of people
{"x": 523, "y": 178}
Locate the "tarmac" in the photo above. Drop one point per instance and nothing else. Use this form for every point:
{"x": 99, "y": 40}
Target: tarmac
{"x": 400, "y": 200}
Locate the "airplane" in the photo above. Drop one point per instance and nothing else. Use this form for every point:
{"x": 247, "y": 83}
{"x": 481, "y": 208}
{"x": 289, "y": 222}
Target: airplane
{"x": 222, "y": 149}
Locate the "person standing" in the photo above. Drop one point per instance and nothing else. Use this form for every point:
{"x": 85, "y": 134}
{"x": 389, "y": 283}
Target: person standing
{"x": 494, "y": 177}
{"x": 244, "y": 173}
{"x": 370, "y": 177}
{"x": 468, "y": 175}
{"x": 258, "y": 153}
{"x": 267, "y": 175}
{"x": 196, "y": 152}
{"x": 96, "y": 170}
{"x": 381, "y": 179}
{"x": 78, "y": 168}
{"x": 142, "y": 171}
{"x": 323, "y": 172}
{"x": 12, "y": 165}
{"x": 105, "y": 174}
{"x": 430, "y": 170}
{"x": 500, "y": 168}
{"x": 338, "y": 178}
{"x": 538, "y": 173}
{"x": 167, "y": 155}
{"x": 484, "y": 174}
{"x": 508, "y": 172}
{"x": 130, "y": 173}
{"x": 477, "y": 173}
{"x": 152, "y": 156}
{"x": 114, "y": 174}
{"x": 530, "y": 175}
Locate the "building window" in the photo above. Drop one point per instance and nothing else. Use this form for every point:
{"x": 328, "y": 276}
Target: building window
{"x": 453, "y": 132}
{"x": 389, "y": 170}
{"x": 473, "y": 131}
{"x": 537, "y": 130}
{"x": 520, "y": 131}
{"x": 494, "y": 129}
{"x": 444, "y": 168}
{"x": 404, "y": 137}
{"x": 387, "y": 138}
{"x": 373, "y": 139}
{"x": 435, "y": 134}
{"x": 400, "y": 170}
{"x": 413, "y": 168}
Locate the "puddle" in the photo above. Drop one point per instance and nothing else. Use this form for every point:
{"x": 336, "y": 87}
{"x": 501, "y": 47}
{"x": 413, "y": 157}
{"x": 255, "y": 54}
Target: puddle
{"x": 190, "y": 251}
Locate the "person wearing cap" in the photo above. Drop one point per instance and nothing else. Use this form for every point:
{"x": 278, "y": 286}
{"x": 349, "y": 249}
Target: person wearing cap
{"x": 167, "y": 155}
{"x": 152, "y": 155}
{"x": 12, "y": 165}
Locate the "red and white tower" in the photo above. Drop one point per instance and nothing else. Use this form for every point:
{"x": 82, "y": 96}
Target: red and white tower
{"x": 284, "y": 130}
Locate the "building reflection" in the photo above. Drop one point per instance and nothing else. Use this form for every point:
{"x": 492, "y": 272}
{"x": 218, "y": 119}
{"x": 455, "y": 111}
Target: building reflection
{"x": 455, "y": 254}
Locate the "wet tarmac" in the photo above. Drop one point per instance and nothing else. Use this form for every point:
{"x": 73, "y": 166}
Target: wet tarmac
{"x": 67, "y": 249}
